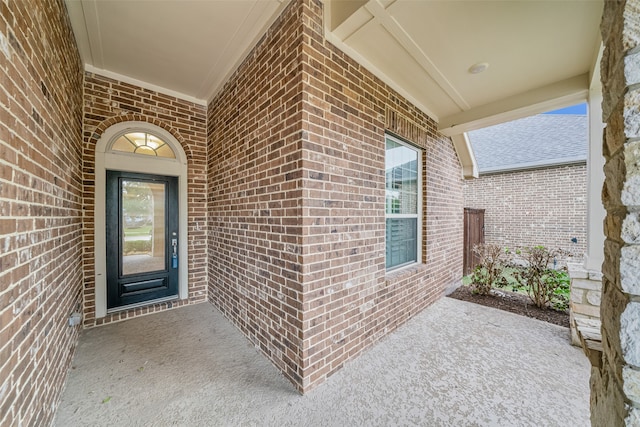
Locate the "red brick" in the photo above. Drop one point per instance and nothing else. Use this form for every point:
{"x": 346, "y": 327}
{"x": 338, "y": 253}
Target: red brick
{"x": 533, "y": 207}
{"x": 340, "y": 181}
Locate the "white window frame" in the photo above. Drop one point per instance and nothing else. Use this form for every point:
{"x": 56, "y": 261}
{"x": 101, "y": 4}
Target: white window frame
{"x": 418, "y": 215}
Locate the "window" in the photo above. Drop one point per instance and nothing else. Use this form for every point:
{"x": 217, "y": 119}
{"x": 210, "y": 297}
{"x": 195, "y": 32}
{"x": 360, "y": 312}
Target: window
{"x": 403, "y": 203}
{"x": 143, "y": 143}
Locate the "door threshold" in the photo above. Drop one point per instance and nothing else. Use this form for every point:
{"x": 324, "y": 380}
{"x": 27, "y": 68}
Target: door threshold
{"x": 142, "y": 304}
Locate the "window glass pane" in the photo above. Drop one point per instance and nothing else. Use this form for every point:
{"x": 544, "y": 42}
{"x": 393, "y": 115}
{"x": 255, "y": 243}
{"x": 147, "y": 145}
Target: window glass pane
{"x": 143, "y": 143}
{"x": 123, "y": 144}
{"x": 154, "y": 142}
{"x": 402, "y": 203}
{"x": 401, "y": 165}
{"x": 143, "y": 226}
{"x": 137, "y": 137}
{"x": 165, "y": 151}
{"x": 143, "y": 149}
{"x": 402, "y": 241}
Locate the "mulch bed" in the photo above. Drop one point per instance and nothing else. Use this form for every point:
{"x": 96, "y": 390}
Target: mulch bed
{"x": 513, "y": 302}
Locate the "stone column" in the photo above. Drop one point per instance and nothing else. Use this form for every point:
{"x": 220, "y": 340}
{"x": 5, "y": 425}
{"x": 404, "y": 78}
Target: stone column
{"x": 584, "y": 305}
{"x": 615, "y": 388}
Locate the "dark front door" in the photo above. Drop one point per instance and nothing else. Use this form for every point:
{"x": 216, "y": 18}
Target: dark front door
{"x": 142, "y": 238}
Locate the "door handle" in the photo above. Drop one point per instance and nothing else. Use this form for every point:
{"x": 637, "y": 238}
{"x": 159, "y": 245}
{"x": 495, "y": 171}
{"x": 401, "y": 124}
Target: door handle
{"x": 174, "y": 256}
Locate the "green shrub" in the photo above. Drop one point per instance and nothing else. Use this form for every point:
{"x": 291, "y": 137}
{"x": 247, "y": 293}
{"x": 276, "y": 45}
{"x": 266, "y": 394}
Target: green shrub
{"x": 562, "y": 285}
{"x": 488, "y": 273}
{"x": 545, "y": 285}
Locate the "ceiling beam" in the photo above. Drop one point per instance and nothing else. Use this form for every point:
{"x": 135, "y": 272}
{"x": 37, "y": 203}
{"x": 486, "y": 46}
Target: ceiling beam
{"x": 350, "y": 20}
{"x": 404, "y": 39}
{"x": 556, "y": 95}
{"x": 341, "y": 11}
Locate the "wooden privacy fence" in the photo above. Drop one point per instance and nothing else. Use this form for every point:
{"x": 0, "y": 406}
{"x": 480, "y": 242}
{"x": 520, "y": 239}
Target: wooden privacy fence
{"x": 473, "y": 235}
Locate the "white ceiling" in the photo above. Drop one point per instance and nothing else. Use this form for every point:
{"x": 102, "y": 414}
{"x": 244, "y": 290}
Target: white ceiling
{"x": 186, "y": 47}
{"x": 540, "y": 53}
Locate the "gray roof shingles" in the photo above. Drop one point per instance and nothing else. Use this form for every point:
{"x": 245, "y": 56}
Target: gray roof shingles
{"x": 536, "y": 141}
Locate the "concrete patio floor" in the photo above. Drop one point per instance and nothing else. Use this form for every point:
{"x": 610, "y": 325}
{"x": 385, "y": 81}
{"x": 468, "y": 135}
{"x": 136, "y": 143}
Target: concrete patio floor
{"x": 455, "y": 364}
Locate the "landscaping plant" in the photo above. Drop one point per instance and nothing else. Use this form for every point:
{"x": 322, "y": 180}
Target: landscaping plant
{"x": 538, "y": 277}
{"x": 488, "y": 273}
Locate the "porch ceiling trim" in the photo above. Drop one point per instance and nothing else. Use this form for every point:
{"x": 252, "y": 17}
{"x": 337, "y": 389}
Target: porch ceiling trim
{"x": 145, "y": 85}
{"x": 556, "y": 95}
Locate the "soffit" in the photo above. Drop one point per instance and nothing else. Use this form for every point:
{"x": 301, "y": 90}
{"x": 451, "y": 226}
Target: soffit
{"x": 186, "y": 47}
{"x": 539, "y": 53}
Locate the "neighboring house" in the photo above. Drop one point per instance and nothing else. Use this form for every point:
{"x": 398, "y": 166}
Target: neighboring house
{"x": 532, "y": 182}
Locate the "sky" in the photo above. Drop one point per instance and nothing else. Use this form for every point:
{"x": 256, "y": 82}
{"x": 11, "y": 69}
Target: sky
{"x": 580, "y": 109}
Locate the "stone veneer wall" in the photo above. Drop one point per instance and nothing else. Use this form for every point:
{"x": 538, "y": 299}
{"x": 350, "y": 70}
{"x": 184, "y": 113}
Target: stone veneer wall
{"x": 586, "y": 293}
{"x": 545, "y": 206}
{"x": 615, "y": 388}
{"x": 40, "y": 207}
{"x": 296, "y": 202}
{"x": 107, "y": 102}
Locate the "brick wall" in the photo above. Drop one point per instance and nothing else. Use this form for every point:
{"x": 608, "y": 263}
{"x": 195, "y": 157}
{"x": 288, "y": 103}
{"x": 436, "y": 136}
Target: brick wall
{"x": 40, "y": 207}
{"x": 296, "y": 202}
{"x": 107, "y": 102}
{"x": 533, "y": 207}
{"x": 254, "y": 196}
{"x": 349, "y": 301}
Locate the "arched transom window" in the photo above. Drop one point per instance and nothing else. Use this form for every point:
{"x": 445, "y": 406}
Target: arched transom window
{"x": 142, "y": 143}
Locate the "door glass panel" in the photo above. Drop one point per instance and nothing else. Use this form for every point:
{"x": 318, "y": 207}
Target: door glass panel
{"x": 143, "y": 226}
